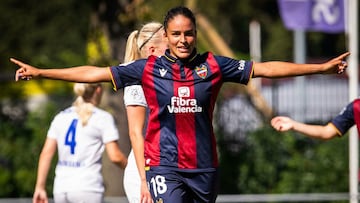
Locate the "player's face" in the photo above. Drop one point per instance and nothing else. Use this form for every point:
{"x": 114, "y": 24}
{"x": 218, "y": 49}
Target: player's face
{"x": 181, "y": 36}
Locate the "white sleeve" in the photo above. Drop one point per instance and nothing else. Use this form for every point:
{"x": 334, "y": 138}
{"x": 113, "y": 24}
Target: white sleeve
{"x": 134, "y": 95}
{"x": 52, "y": 131}
{"x": 109, "y": 129}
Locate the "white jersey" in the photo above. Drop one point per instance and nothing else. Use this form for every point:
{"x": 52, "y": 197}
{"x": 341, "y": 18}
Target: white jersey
{"x": 133, "y": 95}
{"x": 80, "y": 149}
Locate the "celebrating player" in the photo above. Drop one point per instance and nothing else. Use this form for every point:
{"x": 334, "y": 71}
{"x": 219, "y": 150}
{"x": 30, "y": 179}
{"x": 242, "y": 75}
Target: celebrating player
{"x": 181, "y": 88}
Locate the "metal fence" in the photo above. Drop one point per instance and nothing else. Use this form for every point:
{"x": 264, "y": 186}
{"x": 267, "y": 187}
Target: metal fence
{"x": 319, "y": 98}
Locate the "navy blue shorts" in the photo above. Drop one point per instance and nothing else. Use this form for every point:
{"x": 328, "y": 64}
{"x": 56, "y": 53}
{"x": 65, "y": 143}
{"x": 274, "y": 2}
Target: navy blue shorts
{"x": 168, "y": 185}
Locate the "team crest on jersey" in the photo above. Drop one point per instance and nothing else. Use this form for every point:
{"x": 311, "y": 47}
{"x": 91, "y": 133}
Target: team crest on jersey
{"x": 201, "y": 71}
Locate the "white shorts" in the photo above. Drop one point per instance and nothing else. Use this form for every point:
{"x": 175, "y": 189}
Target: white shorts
{"x": 79, "y": 197}
{"x": 132, "y": 180}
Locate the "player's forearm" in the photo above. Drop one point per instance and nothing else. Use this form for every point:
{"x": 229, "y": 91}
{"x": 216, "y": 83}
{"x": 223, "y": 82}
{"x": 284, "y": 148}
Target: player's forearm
{"x": 115, "y": 154}
{"x": 42, "y": 173}
{"x": 314, "y": 131}
{"x": 120, "y": 160}
{"x": 278, "y": 69}
{"x": 137, "y": 143}
{"x": 77, "y": 74}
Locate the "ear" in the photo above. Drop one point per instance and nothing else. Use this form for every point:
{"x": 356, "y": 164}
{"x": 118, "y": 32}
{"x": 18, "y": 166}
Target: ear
{"x": 152, "y": 50}
{"x": 99, "y": 90}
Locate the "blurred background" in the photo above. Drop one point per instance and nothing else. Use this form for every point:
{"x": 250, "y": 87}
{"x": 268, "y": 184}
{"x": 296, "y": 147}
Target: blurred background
{"x": 254, "y": 159}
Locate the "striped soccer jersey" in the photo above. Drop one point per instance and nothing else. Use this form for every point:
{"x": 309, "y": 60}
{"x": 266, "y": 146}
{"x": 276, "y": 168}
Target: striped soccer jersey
{"x": 345, "y": 119}
{"x": 181, "y": 98}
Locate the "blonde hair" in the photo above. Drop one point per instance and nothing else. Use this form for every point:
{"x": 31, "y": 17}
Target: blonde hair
{"x": 83, "y": 102}
{"x": 138, "y": 40}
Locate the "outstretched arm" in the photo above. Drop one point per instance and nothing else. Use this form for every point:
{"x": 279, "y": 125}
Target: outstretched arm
{"x": 73, "y": 74}
{"x": 324, "y": 132}
{"x": 278, "y": 69}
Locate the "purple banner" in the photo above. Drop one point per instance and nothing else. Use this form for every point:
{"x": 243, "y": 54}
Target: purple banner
{"x": 313, "y": 15}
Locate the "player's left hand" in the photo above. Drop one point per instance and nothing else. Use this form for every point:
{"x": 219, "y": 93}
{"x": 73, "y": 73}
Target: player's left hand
{"x": 337, "y": 65}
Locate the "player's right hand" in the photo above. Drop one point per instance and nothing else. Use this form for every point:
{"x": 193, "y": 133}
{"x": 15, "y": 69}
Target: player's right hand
{"x": 40, "y": 196}
{"x": 145, "y": 195}
{"x": 282, "y": 123}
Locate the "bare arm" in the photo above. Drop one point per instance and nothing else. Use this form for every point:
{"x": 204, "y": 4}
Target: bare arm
{"x": 73, "y": 74}
{"x": 115, "y": 154}
{"x": 46, "y": 156}
{"x": 278, "y": 69}
{"x": 324, "y": 132}
{"x": 136, "y": 121}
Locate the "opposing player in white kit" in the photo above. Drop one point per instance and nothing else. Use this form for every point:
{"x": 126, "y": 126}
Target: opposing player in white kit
{"x": 79, "y": 134}
{"x": 148, "y": 41}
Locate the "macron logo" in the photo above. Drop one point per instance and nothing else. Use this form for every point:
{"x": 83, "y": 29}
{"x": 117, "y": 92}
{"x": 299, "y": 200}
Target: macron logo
{"x": 163, "y": 71}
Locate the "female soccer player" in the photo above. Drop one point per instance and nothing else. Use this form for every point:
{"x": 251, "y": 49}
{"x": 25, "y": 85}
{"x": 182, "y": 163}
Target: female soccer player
{"x": 79, "y": 134}
{"x": 181, "y": 88}
{"x": 149, "y": 40}
{"x": 337, "y": 127}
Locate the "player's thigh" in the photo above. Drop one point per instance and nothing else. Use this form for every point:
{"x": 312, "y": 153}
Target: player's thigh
{"x": 167, "y": 186}
{"x": 204, "y": 186}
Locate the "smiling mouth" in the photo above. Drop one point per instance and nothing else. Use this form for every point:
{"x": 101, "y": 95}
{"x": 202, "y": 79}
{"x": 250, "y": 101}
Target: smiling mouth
{"x": 183, "y": 49}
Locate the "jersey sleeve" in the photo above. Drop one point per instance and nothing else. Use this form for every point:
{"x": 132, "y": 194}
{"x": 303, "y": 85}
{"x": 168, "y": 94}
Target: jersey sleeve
{"x": 52, "y": 131}
{"x": 127, "y": 74}
{"x": 108, "y": 128}
{"x": 345, "y": 119}
{"x": 239, "y": 71}
{"x": 134, "y": 95}
{"x": 58, "y": 123}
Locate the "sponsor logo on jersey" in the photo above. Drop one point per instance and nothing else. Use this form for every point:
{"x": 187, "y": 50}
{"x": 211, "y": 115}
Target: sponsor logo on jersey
{"x": 182, "y": 103}
{"x": 184, "y": 92}
{"x": 201, "y": 71}
{"x": 241, "y": 65}
{"x": 75, "y": 164}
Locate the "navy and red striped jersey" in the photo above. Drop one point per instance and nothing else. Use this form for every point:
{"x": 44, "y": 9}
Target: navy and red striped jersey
{"x": 345, "y": 119}
{"x": 181, "y": 98}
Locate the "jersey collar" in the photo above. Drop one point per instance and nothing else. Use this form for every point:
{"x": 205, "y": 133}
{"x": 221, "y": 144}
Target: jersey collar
{"x": 173, "y": 59}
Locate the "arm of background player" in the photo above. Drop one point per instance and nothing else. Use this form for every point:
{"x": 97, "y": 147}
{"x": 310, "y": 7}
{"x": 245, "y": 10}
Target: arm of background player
{"x": 324, "y": 132}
